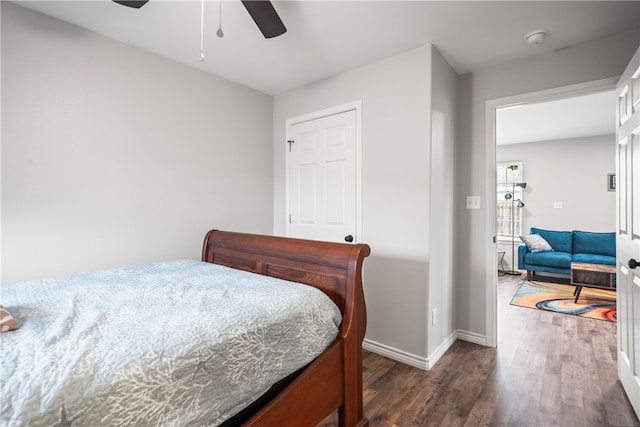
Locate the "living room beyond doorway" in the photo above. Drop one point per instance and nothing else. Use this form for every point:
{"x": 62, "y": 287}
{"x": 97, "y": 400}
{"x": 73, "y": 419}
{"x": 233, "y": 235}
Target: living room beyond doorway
{"x": 557, "y": 168}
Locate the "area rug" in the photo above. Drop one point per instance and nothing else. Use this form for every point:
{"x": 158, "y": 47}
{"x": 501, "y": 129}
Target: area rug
{"x": 593, "y": 303}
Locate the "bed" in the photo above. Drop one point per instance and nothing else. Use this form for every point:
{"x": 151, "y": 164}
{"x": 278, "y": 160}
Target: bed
{"x": 79, "y": 377}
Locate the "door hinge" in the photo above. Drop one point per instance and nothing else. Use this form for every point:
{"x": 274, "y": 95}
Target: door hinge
{"x": 494, "y": 239}
{"x": 290, "y": 142}
{"x": 289, "y": 218}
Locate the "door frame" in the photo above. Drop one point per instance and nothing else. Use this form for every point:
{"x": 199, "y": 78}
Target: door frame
{"x": 491, "y": 277}
{"x": 338, "y": 109}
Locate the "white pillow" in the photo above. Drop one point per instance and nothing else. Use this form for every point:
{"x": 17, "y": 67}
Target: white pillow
{"x": 535, "y": 243}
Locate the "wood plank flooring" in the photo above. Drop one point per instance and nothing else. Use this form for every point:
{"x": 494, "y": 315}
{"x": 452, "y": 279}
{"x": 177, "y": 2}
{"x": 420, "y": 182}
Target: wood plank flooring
{"x": 548, "y": 370}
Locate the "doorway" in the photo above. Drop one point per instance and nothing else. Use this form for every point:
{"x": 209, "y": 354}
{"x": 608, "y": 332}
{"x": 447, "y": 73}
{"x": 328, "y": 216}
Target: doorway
{"x": 491, "y": 109}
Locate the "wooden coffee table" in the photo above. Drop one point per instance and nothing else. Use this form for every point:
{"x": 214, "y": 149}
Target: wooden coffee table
{"x": 593, "y": 276}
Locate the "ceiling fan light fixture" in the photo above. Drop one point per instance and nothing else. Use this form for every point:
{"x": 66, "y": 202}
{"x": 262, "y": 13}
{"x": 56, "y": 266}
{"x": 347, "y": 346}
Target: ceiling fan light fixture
{"x": 134, "y": 4}
{"x": 265, "y": 17}
{"x": 535, "y": 37}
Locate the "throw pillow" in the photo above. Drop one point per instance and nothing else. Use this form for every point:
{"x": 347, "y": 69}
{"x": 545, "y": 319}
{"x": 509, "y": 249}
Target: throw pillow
{"x": 6, "y": 320}
{"x": 535, "y": 243}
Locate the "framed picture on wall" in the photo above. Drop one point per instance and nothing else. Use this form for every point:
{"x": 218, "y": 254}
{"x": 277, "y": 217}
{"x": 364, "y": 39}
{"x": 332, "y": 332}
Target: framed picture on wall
{"x": 611, "y": 182}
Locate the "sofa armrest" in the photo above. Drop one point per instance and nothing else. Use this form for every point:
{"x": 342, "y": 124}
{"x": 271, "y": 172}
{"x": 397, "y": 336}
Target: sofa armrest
{"x": 522, "y": 251}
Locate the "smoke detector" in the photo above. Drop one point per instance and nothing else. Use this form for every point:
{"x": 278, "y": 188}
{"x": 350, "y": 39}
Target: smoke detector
{"x": 535, "y": 37}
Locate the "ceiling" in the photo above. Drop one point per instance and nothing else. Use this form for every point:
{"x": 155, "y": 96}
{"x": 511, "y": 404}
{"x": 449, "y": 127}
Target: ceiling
{"x": 581, "y": 116}
{"x": 326, "y": 37}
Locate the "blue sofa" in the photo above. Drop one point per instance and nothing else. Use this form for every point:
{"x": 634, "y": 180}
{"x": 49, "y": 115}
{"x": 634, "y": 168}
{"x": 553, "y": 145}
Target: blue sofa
{"x": 568, "y": 247}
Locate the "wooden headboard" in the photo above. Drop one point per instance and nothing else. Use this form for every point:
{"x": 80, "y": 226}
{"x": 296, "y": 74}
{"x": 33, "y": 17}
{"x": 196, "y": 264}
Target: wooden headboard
{"x": 324, "y": 265}
{"x": 334, "y": 268}
{"x": 334, "y": 379}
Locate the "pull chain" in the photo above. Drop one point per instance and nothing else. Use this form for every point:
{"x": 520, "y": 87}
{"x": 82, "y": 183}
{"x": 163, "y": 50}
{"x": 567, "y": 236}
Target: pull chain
{"x": 220, "y": 33}
{"x": 202, "y": 31}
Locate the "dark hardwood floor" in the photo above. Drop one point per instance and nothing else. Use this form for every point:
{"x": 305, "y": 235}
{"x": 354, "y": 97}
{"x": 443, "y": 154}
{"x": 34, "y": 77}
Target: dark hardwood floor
{"x": 547, "y": 370}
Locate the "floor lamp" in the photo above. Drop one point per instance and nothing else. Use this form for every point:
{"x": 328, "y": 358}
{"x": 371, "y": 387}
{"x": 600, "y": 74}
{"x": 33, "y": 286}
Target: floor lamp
{"x": 514, "y": 203}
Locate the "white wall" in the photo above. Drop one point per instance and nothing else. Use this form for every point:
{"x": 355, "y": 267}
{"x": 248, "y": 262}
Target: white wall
{"x": 396, "y": 114}
{"x": 440, "y": 291}
{"x": 572, "y": 172}
{"x": 582, "y": 63}
{"x": 113, "y": 156}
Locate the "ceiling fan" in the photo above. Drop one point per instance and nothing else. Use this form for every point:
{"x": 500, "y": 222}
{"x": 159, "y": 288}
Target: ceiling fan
{"x": 262, "y": 12}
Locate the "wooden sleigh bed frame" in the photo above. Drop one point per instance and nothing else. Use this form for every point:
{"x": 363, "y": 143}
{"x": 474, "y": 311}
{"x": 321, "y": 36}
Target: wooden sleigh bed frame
{"x": 334, "y": 380}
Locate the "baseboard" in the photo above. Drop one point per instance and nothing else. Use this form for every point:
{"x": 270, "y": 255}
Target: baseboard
{"x": 424, "y": 363}
{"x": 409, "y": 358}
{"x": 442, "y": 349}
{"x": 395, "y": 354}
{"x": 472, "y": 337}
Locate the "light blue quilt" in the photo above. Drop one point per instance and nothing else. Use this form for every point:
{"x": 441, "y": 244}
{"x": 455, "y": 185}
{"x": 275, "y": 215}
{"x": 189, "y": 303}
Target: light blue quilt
{"x": 181, "y": 343}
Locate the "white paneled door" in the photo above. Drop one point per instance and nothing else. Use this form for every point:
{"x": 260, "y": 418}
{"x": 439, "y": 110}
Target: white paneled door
{"x": 628, "y": 236}
{"x": 322, "y": 178}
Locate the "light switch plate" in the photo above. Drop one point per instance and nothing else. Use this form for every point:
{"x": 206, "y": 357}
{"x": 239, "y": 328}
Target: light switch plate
{"x": 473, "y": 202}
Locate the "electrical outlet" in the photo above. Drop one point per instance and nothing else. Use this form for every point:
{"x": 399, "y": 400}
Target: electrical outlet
{"x": 557, "y": 205}
{"x": 473, "y": 202}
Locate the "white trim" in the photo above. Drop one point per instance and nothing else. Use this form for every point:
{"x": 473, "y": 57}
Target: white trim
{"x": 421, "y": 362}
{"x": 490, "y": 276}
{"x": 351, "y": 106}
{"x": 441, "y": 350}
{"x": 472, "y": 337}
{"x": 490, "y": 180}
{"x": 407, "y": 358}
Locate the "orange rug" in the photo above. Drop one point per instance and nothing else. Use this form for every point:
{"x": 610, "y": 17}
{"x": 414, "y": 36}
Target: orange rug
{"x": 593, "y": 303}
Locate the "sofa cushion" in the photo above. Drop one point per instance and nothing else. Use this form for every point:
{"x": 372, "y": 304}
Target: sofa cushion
{"x": 587, "y": 242}
{"x": 551, "y": 259}
{"x": 594, "y": 259}
{"x": 560, "y": 241}
{"x": 536, "y": 243}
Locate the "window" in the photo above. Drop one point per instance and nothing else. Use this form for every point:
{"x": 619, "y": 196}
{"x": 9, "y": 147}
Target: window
{"x": 508, "y": 197}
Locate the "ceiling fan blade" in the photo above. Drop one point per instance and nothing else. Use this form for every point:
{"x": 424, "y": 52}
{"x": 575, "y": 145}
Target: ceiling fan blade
{"x": 265, "y": 17}
{"x": 132, "y": 3}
